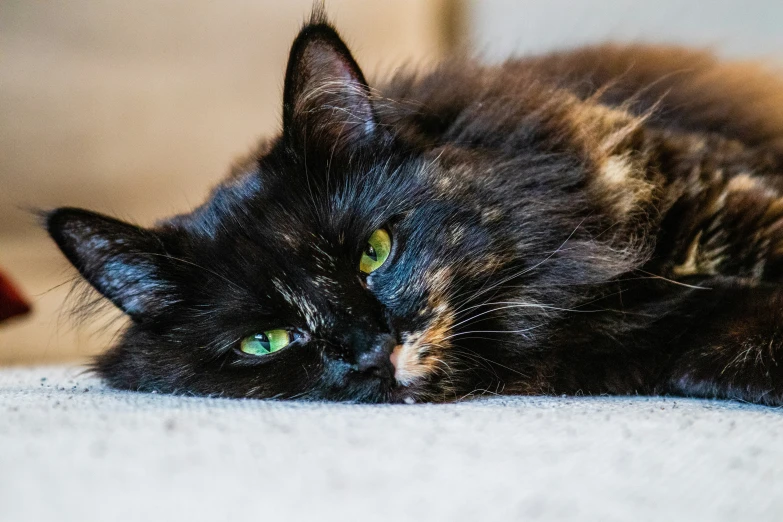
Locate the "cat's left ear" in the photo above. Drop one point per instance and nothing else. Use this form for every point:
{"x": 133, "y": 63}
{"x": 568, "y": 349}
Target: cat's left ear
{"x": 325, "y": 93}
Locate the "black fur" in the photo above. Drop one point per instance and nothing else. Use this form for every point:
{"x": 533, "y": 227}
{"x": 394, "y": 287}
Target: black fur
{"x": 602, "y": 221}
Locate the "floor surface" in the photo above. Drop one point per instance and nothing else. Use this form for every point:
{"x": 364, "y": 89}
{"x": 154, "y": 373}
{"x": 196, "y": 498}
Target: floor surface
{"x": 72, "y": 450}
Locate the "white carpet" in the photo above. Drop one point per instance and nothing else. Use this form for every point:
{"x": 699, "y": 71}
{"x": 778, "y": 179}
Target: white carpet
{"x": 72, "y": 450}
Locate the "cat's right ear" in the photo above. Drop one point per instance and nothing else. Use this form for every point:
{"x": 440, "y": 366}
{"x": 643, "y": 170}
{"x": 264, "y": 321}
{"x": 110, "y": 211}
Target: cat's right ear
{"x": 325, "y": 97}
{"x": 123, "y": 262}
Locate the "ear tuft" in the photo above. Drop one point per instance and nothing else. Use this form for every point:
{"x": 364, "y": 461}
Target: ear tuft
{"x": 325, "y": 91}
{"x": 121, "y": 261}
{"x": 318, "y": 14}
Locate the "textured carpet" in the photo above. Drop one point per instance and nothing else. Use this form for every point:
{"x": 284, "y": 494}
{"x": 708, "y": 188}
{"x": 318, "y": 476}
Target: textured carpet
{"x": 73, "y": 450}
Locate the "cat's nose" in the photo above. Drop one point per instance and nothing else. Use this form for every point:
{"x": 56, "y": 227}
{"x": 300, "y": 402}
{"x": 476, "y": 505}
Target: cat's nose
{"x": 376, "y": 359}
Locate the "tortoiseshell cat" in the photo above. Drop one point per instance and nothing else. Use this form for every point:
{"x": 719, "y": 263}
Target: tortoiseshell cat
{"x": 607, "y": 220}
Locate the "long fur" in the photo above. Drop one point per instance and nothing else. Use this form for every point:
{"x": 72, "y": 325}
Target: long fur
{"x": 605, "y": 220}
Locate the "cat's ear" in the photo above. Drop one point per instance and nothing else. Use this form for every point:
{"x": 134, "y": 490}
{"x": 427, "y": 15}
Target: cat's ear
{"x": 325, "y": 93}
{"x": 123, "y": 262}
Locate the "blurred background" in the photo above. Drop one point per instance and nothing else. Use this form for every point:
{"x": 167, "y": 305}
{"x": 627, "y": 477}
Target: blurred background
{"x": 137, "y": 108}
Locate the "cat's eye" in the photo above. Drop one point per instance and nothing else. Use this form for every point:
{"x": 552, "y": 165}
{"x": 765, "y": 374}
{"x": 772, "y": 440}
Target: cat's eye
{"x": 267, "y": 342}
{"x": 376, "y": 252}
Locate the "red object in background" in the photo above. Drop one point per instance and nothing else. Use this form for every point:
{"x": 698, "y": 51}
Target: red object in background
{"x": 11, "y": 301}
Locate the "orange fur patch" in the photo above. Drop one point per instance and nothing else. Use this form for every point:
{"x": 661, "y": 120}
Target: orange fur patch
{"x": 420, "y": 354}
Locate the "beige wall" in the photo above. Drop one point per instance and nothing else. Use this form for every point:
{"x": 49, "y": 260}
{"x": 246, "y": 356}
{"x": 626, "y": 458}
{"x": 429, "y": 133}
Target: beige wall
{"x": 137, "y": 108}
{"x": 733, "y": 29}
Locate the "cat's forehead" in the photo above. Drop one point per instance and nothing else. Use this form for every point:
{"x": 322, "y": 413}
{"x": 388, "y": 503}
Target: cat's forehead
{"x": 300, "y": 199}
{"x": 272, "y": 215}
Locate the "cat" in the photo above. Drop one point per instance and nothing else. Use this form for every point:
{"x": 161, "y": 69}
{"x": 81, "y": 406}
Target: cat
{"x": 607, "y": 220}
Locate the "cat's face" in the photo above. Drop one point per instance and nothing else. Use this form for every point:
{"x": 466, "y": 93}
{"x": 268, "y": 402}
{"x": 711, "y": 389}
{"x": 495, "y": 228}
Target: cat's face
{"x": 331, "y": 266}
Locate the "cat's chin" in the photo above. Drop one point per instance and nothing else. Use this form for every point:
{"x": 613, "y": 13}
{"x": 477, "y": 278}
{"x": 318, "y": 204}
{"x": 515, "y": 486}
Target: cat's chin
{"x": 420, "y": 392}
{"x": 403, "y": 395}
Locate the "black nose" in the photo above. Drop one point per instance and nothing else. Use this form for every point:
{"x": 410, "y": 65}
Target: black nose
{"x": 375, "y": 359}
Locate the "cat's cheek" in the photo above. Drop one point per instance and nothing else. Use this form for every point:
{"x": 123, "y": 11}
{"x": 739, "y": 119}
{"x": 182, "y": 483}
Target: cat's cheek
{"x": 422, "y": 354}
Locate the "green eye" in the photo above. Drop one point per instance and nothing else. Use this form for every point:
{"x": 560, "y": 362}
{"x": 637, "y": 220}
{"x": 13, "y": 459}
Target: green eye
{"x": 266, "y": 342}
{"x": 376, "y": 252}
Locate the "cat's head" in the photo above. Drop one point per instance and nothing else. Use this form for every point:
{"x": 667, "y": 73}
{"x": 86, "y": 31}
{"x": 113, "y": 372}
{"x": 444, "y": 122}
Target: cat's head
{"x": 340, "y": 262}
{"x": 319, "y": 269}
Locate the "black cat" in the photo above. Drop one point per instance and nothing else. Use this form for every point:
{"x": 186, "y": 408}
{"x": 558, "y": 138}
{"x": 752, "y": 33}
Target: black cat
{"x": 607, "y": 220}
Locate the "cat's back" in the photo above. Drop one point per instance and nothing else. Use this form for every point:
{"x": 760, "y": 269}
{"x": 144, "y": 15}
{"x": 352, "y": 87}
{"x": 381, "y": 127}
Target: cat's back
{"x": 679, "y": 89}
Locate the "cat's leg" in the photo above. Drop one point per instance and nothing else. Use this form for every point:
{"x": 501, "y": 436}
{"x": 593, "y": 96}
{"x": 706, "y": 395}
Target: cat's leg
{"x": 734, "y": 351}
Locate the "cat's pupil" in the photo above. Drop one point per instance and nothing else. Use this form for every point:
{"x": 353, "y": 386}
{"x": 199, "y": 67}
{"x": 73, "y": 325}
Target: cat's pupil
{"x": 264, "y": 340}
{"x": 370, "y": 252}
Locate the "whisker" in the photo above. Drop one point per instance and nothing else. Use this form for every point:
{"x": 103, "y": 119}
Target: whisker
{"x": 459, "y": 334}
{"x": 224, "y": 278}
{"x": 490, "y": 361}
{"x": 680, "y": 283}
{"x": 512, "y": 304}
{"x": 530, "y": 269}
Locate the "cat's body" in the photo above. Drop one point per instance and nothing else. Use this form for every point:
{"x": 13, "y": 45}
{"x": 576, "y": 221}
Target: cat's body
{"x": 608, "y": 220}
